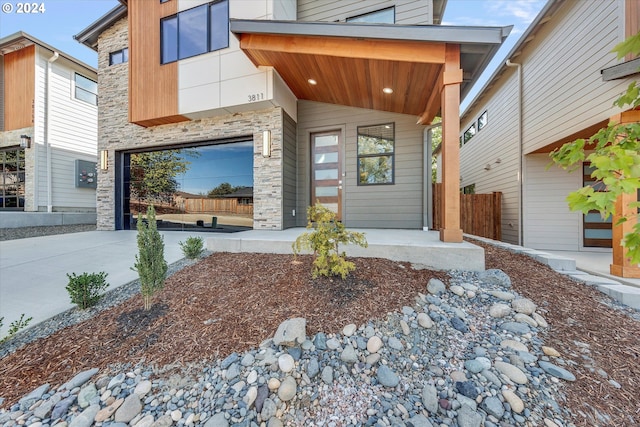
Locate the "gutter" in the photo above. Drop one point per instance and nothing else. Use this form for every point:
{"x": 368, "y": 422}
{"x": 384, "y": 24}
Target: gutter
{"x": 47, "y": 111}
{"x": 508, "y": 63}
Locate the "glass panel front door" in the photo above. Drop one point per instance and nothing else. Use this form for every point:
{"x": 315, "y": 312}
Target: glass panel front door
{"x": 596, "y": 230}
{"x": 326, "y": 182}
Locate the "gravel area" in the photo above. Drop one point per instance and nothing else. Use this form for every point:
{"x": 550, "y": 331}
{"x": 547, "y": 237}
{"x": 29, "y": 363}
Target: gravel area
{"x": 24, "y": 232}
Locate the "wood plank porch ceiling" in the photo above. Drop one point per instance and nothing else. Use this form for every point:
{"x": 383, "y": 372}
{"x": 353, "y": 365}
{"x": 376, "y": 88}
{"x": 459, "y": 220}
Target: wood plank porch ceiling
{"x": 354, "y": 71}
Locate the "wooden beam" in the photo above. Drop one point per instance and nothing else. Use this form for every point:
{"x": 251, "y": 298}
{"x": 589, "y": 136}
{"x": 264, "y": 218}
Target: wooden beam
{"x": 451, "y": 231}
{"x": 390, "y": 50}
{"x": 621, "y": 265}
{"x": 433, "y": 104}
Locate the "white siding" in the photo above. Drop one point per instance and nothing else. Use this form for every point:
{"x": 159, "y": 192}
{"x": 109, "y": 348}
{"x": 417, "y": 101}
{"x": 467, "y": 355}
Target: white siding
{"x": 284, "y": 10}
{"x": 408, "y": 12}
{"x": 497, "y": 140}
{"x": 377, "y": 206}
{"x": 227, "y": 80}
{"x": 73, "y": 135}
{"x": 562, "y": 86}
{"x": 549, "y": 224}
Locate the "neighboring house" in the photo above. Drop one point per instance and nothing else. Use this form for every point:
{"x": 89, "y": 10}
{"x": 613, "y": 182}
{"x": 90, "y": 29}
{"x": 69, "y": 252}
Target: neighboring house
{"x": 244, "y": 196}
{"x": 559, "y": 86}
{"x": 328, "y": 94}
{"x": 48, "y": 128}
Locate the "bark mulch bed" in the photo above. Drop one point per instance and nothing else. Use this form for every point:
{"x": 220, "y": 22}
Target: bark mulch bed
{"x": 232, "y": 302}
{"x": 224, "y": 303}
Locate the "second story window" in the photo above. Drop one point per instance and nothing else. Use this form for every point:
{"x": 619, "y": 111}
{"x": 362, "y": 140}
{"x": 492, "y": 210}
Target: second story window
{"x": 119, "y": 56}
{"x": 86, "y": 89}
{"x": 195, "y": 31}
{"x": 384, "y": 16}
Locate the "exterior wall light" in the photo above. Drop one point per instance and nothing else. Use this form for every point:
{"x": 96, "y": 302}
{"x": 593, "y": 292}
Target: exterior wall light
{"x": 104, "y": 160}
{"x": 25, "y": 141}
{"x": 266, "y": 143}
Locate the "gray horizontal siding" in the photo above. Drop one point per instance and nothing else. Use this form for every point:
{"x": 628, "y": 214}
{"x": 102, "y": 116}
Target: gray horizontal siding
{"x": 386, "y": 206}
{"x": 408, "y": 12}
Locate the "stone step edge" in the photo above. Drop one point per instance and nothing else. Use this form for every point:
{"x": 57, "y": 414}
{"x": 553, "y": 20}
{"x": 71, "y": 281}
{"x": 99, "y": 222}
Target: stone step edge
{"x": 625, "y": 294}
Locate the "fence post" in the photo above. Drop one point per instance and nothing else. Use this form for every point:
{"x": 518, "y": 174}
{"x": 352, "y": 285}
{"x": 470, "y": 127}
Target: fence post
{"x": 497, "y": 216}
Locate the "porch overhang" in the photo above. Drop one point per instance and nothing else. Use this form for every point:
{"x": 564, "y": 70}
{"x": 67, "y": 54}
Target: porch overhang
{"x": 351, "y": 63}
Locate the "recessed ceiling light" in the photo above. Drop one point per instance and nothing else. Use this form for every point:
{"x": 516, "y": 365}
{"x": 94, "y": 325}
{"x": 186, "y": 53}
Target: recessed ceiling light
{"x": 387, "y": 90}
{"x": 312, "y": 82}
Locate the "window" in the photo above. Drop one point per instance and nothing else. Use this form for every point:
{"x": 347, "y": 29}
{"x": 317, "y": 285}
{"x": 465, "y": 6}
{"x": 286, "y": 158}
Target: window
{"x": 195, "y": 31}
{"x": 12, "y": 178}
{"x": 384, "y": 16}
{"x": 86, "y": 89}
{"x": 376, "y": 146}
{"x": 469, "y": 189}
{"x": 119, "y": 56}
{"x": 482, "y": 121}
{"x": 469, "y": 133}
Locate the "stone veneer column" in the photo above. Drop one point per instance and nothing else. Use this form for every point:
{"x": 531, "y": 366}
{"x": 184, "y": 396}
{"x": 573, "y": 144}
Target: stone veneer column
{"x": 115, "y": 133}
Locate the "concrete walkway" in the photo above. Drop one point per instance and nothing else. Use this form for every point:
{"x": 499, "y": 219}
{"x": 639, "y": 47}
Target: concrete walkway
{"x": 33, "y": 271}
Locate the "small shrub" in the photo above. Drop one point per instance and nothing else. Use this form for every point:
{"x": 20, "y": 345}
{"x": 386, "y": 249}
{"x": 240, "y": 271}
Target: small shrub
{"x": 15, "y": 326}
{"x": 86, "y": 289}
{"x": 328, "y": 234}
{"x": 150, "y": 263}
{"x": 192, "y": 247}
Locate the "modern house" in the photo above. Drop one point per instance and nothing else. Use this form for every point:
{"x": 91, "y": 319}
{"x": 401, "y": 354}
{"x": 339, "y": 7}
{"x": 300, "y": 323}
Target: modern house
{"x": 333, "y": 98}
{"x": 558, "y": 85}
{"x": 48, "y": 129}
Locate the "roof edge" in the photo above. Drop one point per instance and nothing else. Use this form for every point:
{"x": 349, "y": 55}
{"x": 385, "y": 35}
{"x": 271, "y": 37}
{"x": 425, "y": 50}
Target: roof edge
{"x": 89, "y": 36}
{"x": 21, "y": 35}
{"x": 432, "y": 33}
{"x": 542, "y": 18}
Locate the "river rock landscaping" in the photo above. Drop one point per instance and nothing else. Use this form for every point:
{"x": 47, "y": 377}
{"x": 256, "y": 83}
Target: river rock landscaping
{"x": 250, "y": 340}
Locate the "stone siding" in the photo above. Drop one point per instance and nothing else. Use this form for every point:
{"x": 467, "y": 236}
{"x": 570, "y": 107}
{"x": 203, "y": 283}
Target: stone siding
{"x": 116, "y": 134}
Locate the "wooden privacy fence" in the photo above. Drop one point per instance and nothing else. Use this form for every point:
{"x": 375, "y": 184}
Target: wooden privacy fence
{"x": 206, "y": 205}
{"x": 480, "y": 214}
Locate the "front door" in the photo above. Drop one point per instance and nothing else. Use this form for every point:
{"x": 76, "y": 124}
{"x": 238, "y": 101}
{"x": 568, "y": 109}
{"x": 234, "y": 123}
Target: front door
{"x": 326, "y": 170}
{"x": 597, "y": 232}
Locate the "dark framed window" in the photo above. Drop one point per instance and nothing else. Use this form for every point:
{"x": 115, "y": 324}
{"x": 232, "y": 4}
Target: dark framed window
{"x": 195, "y": 31}
{"x": 383, "y": 16}
{"x": 469, "y": 133}
{"x": 376, "y": 148}
{"x": 483, "y": 120}
{"x": 468, "y": 189}
{"x": 86, "y": 89}
{"x": 12, "y": 178}
{"x": 119, "y": 56}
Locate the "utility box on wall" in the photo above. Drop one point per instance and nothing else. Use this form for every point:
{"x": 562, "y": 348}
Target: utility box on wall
{"x": 86, "y": 175}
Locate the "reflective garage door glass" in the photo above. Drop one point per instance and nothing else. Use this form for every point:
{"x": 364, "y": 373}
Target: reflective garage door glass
{"x": 203, "y": 188}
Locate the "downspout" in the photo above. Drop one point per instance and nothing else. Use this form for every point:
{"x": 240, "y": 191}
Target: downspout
{"x": 47, "y": 106}
{"x": 508, "y": 63}
{"x": 427, "y": 191}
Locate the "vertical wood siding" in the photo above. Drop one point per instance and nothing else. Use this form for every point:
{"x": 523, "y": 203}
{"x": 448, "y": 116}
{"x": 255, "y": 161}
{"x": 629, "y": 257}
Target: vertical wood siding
{"x": 2, "y": 109}
{"x": 19, "y": 77}
{"x": 408, "y": 12}
{"x": 289, "y": 171}
{"x": 377, "y": 206}
{"x": 153, "y": 87}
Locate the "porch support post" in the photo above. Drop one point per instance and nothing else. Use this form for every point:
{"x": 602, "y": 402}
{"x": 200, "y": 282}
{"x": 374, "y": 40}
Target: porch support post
{"x": 621, "y": 266}
{"x": 450, "y": 108}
